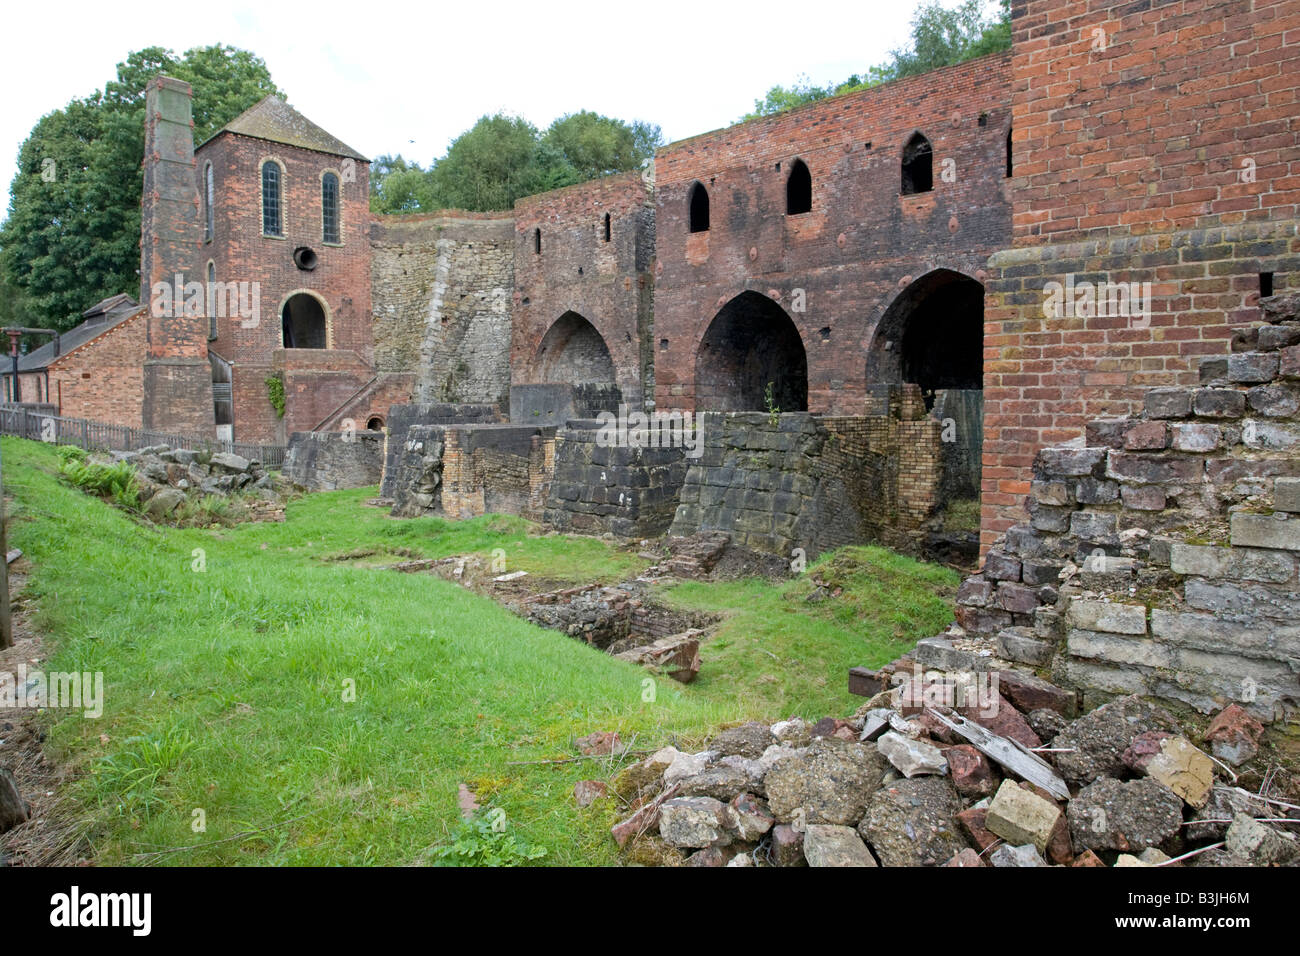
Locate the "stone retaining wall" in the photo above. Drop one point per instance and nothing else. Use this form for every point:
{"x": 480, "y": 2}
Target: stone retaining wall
{"x": 626, "y": 491}
{"x": 1161, "y": 552}
{"x": 326, "y": 461}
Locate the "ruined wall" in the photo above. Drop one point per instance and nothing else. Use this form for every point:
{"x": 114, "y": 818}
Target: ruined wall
{"x": 340, "y": 281}
{"x": 442, "y": 303}
{"x": 463, "y": 471}
{"x": 596, "y": 244}
{"x": 1160, "y": 555}
{"x": 623, "y": 490}
{"x": 325, "y": 461}
{"x": 1152, "y": 143}
{"x": 862, "y": 243}
{"x": 402, "y": 418}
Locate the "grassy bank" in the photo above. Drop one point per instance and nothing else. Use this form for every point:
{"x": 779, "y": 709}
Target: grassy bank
{"x": 335, "y": 708}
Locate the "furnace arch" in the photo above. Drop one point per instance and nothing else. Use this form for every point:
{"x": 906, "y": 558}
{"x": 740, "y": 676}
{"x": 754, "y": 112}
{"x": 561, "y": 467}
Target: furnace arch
{"x": 750, "y": 344}
{"x": 574, "y": 352}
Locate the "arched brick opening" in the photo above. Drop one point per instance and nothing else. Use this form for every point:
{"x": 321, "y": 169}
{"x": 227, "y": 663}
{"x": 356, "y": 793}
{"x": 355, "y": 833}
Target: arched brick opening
{"x": 751, "y": 344}
{"x": 932, "y": 336}
{"x": 304, "y": 322}
{"x": 573, "y": 352}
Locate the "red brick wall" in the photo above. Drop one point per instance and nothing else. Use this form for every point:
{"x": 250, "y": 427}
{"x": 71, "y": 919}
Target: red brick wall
{"x": 114, "y": 390}
{"x": 1135, "y": 127}
{"x": 607, "y": 283}
{"x": 862, "y": 242}
{"x": 240, "y": 252}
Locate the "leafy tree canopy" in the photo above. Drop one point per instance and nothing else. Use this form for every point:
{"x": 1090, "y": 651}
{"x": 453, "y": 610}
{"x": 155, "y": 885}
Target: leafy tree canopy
{"x": 73, "y": 228}
{"x": 503, "y": 158}
{"x": 941, "y": 36}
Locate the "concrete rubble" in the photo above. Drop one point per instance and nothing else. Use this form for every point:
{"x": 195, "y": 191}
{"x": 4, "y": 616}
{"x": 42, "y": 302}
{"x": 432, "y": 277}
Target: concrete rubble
{"x": 906, "y": 791}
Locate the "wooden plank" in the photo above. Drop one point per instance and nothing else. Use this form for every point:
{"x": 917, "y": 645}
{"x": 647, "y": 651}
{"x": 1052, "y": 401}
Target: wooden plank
{"x": 1009, "y": 753}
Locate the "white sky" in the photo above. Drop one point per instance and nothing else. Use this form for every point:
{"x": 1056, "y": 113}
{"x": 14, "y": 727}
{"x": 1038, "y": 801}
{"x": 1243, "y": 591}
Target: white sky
{"x": 403, "y": 77}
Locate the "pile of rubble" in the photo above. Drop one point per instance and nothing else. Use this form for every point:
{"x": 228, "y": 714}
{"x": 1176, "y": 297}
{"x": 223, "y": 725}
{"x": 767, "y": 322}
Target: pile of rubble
{"x": 167, "y": 477}
{"x": 1004, "y": 777}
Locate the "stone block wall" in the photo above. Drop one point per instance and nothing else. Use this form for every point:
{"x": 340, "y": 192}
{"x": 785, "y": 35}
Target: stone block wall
{"x": 403, "y": 418}
{"x": 627, "y": 491}
{"x": 1161, "y": 551}
{"x": 442, "y": 303}
{"x": 462, "y": 471}
{"x": 813, "y": 482}
{"x": 326, "y": 461}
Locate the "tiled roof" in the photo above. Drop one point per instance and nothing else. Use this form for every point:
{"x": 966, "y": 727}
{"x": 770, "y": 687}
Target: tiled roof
{"x": 276, "y": 121}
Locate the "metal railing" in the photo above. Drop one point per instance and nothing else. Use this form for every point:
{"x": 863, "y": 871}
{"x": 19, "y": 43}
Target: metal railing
{"x": 39, "y": 425}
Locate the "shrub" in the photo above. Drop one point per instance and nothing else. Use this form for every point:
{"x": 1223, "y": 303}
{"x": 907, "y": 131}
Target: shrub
{"x": 485, "y": 840}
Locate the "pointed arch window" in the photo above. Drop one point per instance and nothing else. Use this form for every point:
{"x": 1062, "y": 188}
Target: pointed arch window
{"x": 329, "y": 208}
{"x": 918, "y": 166}
{"x": 798, "y": 189}
{"x": 698, "y": 207}
{"x": 272, "y": 202}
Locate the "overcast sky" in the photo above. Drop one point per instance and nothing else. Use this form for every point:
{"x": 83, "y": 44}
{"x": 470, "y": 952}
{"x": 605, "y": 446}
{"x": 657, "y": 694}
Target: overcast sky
{"x": 398, "y": 77}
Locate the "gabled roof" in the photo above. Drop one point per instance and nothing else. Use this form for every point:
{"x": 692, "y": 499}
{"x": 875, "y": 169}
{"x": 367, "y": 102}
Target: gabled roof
{"x": 100, "y": 317}
{"x": 276, "y": 121}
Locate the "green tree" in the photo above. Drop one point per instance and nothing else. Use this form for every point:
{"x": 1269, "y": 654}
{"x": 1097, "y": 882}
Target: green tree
{"x": 596, "y": 145}
{"x": 779, "y": 99}
{"x": 398, "y": 186}
{"x": 73, "y": 228}
{"x": 498, "y": 160}
{"x": 940, "y": 36}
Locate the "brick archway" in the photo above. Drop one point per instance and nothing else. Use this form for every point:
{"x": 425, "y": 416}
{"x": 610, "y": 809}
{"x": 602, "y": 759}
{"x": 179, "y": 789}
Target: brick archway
{"x": 751, "y": 344}
{"x": 574, "y": 352}
{"x": 931, "y": 335}
{"x": 304, "y": 321}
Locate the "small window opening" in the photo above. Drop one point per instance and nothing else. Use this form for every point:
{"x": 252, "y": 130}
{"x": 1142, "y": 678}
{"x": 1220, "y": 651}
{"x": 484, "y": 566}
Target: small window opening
{"x": 1008, "y": 154}
{"x": 607, "y": 227}
{"x": 918, "y": 168}
{"x": 699, "y": 208}
{"x": 537, "y": 242}
{"x": 1265, "y": 284}
{"x": 798, "y": 189}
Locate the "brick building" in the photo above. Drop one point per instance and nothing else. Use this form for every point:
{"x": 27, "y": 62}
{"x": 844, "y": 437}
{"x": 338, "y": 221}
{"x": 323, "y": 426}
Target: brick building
{"x": 910, "y": 235}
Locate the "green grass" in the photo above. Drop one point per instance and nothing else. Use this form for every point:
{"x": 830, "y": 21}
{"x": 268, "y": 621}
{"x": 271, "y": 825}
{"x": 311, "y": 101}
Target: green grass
{"x": 777, "y": 653}
{"x": 226, "y": 688}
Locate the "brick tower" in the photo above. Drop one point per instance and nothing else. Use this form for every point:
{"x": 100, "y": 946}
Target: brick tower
{"x": 177, "y": 374}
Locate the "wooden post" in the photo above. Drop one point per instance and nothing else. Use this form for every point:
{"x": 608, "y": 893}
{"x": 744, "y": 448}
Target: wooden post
{"x": 6, "y": 624}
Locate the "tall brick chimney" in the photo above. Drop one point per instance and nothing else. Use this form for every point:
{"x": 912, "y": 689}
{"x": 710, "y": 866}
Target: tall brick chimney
{"x": 177, "y": 376}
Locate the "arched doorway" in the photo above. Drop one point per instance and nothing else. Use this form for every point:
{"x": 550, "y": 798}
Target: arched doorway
{"x": 932, "y": 336}
{"x": 304, "y": 322}
{"x": 751, "y": 352}
{"x": 572, "y": 351}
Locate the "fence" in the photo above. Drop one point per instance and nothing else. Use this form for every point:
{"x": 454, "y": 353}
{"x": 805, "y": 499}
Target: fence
{"x": 34, "y": 422}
